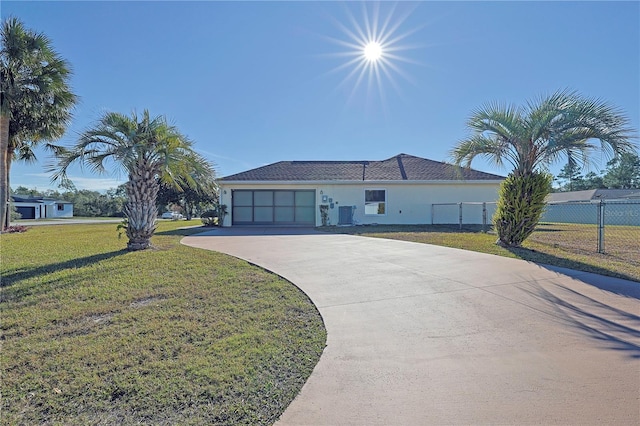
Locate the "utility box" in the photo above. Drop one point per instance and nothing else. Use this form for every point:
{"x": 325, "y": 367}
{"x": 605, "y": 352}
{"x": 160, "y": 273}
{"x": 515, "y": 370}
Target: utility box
{"x": 345, "y": 215}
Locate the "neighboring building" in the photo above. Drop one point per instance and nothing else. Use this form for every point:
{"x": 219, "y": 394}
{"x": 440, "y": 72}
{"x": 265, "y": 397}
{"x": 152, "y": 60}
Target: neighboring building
{"x": 611, "y": 206}
{"x": 593, "y": 195}
{"x": 399, "y": 190}
{"x": 40, "y": 207}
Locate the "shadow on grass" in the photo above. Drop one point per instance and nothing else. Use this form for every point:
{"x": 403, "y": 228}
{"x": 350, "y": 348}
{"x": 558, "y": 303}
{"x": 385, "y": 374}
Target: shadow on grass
{"x": 185, "y": 232}
{"x": 12, "y": 278}
{"x": 556, "y": 264}
{"x": 613, "y": 327}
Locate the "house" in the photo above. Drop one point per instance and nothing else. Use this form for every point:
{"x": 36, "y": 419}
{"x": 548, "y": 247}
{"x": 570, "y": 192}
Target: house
{"x": 590, "y": 195}
{"x": 398, "y": 190}
{"x": 594, "y": 206}
{"x": 41, "y": 207}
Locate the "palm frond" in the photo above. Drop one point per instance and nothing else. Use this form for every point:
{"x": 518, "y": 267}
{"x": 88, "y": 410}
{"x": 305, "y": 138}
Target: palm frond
{"x": 548, "y": 128}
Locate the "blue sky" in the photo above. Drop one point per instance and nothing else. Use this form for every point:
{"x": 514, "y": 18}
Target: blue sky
{"x": 258, "y": 82}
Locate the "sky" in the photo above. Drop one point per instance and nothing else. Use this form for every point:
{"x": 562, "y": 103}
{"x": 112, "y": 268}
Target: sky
{"x": 253, "y": 83}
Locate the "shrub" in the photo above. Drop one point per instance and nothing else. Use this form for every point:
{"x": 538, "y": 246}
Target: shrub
{"x": 15, "y": 229}
{"x": 209, "y": 218}
{"x": 520, "y": 205}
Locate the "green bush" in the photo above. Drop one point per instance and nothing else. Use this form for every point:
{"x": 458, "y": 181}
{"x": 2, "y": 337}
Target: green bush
{"x": 520, "y": 205}
{"x": 209, "y": 218}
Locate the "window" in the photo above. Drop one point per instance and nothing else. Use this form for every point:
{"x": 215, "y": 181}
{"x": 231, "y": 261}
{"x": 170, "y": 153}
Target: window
{"x": 60, "y": 207}
{"x": 374, "y": 201}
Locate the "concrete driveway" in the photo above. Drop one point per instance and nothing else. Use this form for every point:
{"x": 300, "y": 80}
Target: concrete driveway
{"x": 428, "y": 335}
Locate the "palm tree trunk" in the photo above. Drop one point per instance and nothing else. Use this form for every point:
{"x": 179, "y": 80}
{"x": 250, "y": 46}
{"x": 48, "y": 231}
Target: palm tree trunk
{"x": 4, "y": 171}
{"x": 140, "y": 209}
{"x": 7, "y": 219}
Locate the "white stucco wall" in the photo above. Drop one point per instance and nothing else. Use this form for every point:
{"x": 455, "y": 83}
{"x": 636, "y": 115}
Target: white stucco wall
{"x": 67, "y": 210}
{"x": 39, "y": 208}
{"x": 406, "y": 202}
{"x": 49, "y": 209}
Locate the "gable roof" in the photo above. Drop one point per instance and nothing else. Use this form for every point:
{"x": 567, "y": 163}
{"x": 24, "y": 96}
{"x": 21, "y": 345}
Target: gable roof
{"x": 593, "y": 194}
{"x": 402, "y": 167}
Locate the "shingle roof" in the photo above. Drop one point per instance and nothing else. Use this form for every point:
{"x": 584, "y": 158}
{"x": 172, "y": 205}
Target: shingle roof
{"x": 592, "y": 194}
{"x": 401, "y": 167}
{"x": 36, "y": 199}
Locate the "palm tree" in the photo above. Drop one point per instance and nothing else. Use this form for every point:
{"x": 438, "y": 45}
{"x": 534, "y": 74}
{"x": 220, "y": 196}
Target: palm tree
{"x": 147, "y": 149}
{"x": 35, "y": 101}
{"x": 532, "y": 137}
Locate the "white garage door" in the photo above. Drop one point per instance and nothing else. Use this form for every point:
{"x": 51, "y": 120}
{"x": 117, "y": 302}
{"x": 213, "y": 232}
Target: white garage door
{"x": 274, "y": 207}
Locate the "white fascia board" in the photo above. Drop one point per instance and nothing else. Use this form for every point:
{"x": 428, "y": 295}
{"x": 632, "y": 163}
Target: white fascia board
{"x": 356, "y": 182}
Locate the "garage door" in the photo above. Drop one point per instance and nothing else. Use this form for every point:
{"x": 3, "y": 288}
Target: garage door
{"x": 27, "y": 212}
{"x": 274, "y": 207}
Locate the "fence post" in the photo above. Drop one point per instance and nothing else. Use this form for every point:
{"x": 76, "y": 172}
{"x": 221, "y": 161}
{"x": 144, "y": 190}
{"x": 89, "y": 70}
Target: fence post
{"x": 460, "y": 215}
{"x": 601, "y": 226}
{"x": 484, "y": 217}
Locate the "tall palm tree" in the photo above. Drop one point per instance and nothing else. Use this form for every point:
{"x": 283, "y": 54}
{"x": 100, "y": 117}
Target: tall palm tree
{"x": 150, "y": 151}
{"x": 35, "y": 100}
{"x": 529, "y": 139}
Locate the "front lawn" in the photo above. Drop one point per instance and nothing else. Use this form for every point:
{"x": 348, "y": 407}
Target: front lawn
{"x": 93, "y": 334}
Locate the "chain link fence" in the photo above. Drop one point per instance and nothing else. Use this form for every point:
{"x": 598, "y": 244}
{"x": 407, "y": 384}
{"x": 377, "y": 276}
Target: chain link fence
{"x": 463, "y": 215}
{"x": 606, "y": 226}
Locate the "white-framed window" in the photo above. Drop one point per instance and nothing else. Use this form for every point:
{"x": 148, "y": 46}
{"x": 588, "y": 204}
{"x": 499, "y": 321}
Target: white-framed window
{"x": 375, "y": 201}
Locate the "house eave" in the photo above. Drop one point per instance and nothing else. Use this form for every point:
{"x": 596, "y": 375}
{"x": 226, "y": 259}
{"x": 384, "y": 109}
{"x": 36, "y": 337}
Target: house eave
{"x": 358, "y": 182}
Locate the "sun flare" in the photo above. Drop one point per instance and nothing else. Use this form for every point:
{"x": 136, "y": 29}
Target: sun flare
{"x": 372, "y": 48}
{"x": 372, "y": 51}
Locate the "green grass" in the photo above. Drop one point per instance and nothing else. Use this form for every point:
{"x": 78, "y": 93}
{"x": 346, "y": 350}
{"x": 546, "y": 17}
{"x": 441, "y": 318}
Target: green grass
{"x": 93, "y": 334}
{"x": 565, "y": 251}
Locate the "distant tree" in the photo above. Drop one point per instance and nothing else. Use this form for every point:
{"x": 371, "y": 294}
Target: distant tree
{"x": 23, "y": 190}
{"x": 570, "y": 173}
{"x": 623, "y": 172}
{"x": 85, "y": 202}
{"x": 147, "y": 149}
{"x": 530, "y": 138}
{"x": 593, "y": 181}
{"x": 35, "y": 99}
{"x": 193, "y": 199}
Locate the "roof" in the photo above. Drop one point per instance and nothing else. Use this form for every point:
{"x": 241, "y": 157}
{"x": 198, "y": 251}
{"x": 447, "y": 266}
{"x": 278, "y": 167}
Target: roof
{"x": 593, "y": 194}
{"x": 36, "y": 199}
{"x": 402, "y": 167}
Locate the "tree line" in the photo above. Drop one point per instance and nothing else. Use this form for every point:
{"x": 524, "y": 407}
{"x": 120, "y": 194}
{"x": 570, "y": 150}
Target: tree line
{"x": 110, "y": 203}
{"x": 622, "y": 172}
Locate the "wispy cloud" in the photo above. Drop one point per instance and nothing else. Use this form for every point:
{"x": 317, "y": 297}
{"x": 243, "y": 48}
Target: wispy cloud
{"x": 42, "y": 181}
{"x": 95, "y": 184}
{"x": 222, "y": 157}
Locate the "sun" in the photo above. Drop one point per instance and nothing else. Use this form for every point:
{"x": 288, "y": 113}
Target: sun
{"x": 371, "y": 48}
{"x": 372, "y": 51}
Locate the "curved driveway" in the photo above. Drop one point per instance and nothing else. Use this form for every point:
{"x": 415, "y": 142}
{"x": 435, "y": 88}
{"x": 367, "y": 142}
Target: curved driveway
{"x": 428, "y": 335}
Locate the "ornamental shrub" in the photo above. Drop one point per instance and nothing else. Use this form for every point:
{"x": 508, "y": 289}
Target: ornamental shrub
{"x": 520, "y": 206}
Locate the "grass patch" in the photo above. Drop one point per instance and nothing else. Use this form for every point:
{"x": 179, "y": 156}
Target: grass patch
{"x": 539, "y": 249}
{"x": 70, "y": 219}
{"x": 93, "y": 334}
